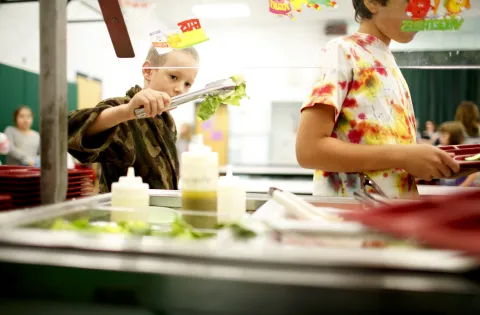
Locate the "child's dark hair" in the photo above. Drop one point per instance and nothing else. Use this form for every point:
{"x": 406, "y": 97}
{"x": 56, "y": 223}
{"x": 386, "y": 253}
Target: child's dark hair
{"x": 361, "y": 10}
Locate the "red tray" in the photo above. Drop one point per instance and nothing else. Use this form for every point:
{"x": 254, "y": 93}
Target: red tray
{"x": 462, "y": 149}
{"x": 467, "y": 164}
{"x": 451, "y": 222}
{"x": 462, "y": 152}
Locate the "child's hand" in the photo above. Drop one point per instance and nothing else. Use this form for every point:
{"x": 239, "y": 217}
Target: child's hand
{"x": 154, "y": 102}
{"x": 426, "y": 162}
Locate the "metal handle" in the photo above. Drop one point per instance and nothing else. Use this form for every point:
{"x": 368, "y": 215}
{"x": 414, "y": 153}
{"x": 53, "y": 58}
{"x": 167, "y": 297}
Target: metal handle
{"x": 177, "y": 100}
{"x": 378, "y": 198}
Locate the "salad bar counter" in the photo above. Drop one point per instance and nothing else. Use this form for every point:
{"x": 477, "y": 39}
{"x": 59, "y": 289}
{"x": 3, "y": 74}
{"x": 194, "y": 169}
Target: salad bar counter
{"x": 75, "y": 258}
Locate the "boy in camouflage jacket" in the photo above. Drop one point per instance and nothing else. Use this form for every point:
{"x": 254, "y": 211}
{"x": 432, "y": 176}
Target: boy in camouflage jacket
{"x": 110, "y": 135}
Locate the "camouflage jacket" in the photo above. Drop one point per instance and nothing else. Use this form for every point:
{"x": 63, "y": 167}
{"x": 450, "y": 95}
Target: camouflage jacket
{"x": 146, "y": 144}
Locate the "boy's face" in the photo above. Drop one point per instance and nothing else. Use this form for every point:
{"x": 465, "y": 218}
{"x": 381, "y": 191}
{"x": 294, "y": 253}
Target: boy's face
{"x": 389, "y": 18}
{"x": 175, "y": 77}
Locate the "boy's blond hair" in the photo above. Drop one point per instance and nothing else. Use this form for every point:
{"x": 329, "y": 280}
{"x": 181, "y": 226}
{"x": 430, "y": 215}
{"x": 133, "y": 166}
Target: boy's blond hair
{"x": 158, "y": 60}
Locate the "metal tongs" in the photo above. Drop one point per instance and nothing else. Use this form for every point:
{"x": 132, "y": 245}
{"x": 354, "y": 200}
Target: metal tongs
{"x": 214, "y": 88}
{"x": 377, "y": 198}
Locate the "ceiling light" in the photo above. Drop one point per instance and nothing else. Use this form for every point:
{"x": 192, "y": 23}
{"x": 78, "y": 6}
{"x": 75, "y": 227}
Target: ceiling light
{"x": 221, "y": 11}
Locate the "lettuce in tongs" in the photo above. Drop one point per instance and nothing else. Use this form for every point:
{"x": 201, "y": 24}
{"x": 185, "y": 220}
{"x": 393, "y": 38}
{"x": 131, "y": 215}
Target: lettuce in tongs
{"x": 210, "y": 104}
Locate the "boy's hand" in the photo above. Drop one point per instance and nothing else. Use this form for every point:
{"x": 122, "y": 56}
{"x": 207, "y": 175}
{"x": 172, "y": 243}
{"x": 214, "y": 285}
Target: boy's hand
{"x": 426, "y": 162}
{"x": 154, "y": 102}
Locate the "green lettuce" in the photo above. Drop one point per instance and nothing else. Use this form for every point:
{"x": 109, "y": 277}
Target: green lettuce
{"x": 209, "y": 106}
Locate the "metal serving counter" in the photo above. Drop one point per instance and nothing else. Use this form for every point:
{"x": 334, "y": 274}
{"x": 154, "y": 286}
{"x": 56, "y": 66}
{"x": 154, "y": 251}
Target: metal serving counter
{"x": 64, "y": 272}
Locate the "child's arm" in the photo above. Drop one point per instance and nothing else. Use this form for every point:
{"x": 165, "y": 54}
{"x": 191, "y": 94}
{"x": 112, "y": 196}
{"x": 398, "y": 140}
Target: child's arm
{"x": 316, "y": 149}
{"x": 468, "y": 182}
{"x": 154, "y": 102}
{"x": 103, "y": 134}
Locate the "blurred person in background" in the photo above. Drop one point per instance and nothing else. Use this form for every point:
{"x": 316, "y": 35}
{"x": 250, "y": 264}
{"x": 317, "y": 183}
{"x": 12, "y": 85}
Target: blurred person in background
{"x": 24, "y": 142}
{"x": 184, "y": 138}
{"x": 468, "y": 114}
{"x": 430, "y": 132}
{"x": 453, "y": 133}
{"x": 429, "y": 135}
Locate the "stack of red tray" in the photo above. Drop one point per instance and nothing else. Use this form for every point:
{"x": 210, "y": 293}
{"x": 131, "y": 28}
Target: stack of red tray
{"x": 23, "y": 184}
{"x": 450, "y": 222}
{"x": 5, "y": 202}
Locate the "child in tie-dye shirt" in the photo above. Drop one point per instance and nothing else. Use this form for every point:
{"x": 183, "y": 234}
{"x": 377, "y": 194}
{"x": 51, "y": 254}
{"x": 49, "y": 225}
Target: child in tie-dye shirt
{"x": 359, "y": 116}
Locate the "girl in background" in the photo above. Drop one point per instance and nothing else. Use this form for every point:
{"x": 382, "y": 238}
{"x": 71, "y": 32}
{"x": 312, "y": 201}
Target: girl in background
{"x": 468, "y": 114}
{"x": 430, "y": 132}
{"x": 24, "y": 142}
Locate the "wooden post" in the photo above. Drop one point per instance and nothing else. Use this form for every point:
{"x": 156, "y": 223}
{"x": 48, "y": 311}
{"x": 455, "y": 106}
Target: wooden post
{"x": 53, "y": 100}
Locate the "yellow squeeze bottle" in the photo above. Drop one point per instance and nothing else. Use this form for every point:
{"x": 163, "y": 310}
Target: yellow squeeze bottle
{"x": 199, "y": 177}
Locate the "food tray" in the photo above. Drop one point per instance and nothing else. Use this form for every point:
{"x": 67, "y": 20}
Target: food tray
{"x": 461, "y": 149}
{"x": 450, "y": 222}
{"x": 464, "y": 151}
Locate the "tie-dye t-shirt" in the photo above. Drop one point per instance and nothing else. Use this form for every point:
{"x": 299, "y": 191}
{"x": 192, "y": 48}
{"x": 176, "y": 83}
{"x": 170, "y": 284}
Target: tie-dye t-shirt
{"x": 360, "y": 78}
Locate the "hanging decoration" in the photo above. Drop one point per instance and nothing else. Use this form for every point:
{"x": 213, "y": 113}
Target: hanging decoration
{"x": 286, "y": 8}
{"x": 429, "y": 15}
{"x": 136, "y": 4}
{"x": 191, "y": 34}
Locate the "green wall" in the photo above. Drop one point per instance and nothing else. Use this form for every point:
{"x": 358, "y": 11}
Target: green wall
{"x": 20, "y": 87}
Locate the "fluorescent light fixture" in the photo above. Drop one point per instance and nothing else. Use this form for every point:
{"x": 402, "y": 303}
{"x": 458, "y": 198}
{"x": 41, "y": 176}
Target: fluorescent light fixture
{"x": 221, "y": 11}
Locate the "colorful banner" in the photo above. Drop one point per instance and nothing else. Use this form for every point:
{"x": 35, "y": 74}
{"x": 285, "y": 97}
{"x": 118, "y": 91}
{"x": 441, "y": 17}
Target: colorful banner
{"x": 286, "y": 8}
{"x": 191, "y": 34}
{"x": 429, "y": 15}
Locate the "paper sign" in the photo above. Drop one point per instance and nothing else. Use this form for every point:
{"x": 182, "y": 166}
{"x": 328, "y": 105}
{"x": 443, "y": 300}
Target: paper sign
{"x": 280, "y": 8}
{"x": 287, "y": 7}
{"x": 217, "y": 135}
{"x": 191, "y": 34}
{"x": 429, "y": 15}
{"x": 160, "y": 42}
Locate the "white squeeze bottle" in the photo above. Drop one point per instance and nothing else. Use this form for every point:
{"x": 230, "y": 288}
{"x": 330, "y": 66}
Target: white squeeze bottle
{"x": 231, "y": 198}
{"x": 130, "y": 192}
{"x": 199, "y": 178}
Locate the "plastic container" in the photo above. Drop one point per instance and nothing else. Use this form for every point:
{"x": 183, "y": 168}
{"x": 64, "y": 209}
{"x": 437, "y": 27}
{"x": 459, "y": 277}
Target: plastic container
{"x": 130, "y": 192}
{"x": 199, "y": 179}
{"x": 231, "y": 198}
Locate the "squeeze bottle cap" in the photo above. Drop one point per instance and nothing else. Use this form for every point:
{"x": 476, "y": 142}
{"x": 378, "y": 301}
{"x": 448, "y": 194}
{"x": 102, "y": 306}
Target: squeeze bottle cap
{"x": 131, "y": 179}
{"x": 197, "y": 145}
{"x": 229, "y": 178}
